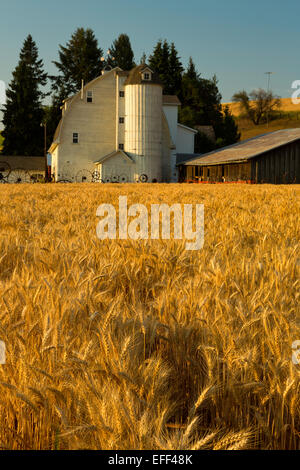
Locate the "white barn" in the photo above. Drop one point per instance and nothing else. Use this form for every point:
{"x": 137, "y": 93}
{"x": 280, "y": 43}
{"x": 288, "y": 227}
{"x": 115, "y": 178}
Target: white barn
{"x": 120, "y": 128}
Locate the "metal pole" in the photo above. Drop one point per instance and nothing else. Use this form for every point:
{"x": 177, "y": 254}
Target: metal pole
{"x": 269, "y": 76}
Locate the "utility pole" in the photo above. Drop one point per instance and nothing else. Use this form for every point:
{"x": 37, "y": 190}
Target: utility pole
{"x": 268, "y": 87}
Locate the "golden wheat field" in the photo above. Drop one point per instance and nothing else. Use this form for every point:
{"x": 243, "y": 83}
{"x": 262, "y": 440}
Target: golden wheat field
{"x": 122, "y": 345}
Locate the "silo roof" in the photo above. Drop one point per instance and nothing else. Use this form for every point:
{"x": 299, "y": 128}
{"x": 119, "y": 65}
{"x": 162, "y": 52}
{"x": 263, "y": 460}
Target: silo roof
{"x": 135, "y": 76}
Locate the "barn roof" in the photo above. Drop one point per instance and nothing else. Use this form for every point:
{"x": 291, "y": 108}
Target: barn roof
{"x": 135, "y": 76}
{"x": 247, "y": 149}
{"x": 24, "y": 163}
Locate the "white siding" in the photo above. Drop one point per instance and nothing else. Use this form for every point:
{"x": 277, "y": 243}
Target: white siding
{"x": 96, "y": 125}
{"x": 143, "y": 129}
{"x": 185, "y": 140}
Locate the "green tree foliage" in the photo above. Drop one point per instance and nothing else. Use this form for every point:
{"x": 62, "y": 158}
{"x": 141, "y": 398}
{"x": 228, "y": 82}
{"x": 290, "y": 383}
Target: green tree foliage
{"x": 201, "y": 105}
{"x": 229, "y": 131}
{"x": 167, "y": 64}
{"x": 257, "y": 104}
{"x": 78, "y": 60}
{"x": 203, "y": 143}
{"x": 23, "y": 112}
{"x": 121, "y": 53}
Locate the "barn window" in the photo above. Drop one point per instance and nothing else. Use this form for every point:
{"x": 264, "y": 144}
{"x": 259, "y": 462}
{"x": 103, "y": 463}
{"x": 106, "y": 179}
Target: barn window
{"x": 75, "y": 138}
{"x": 121, "y": 146}
{"x": 121, "y": 120}
{"x": 146, "y": 76}
{"x": 122, "y": 94}
{"x": 89, "y": 97}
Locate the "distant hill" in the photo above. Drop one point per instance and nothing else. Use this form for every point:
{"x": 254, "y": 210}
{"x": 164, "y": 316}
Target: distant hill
{"x": 286, "y": 106}
{"x": 288, "y": 116}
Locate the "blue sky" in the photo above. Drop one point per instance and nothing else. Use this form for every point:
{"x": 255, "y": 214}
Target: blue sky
{"x": 238, "y": 40}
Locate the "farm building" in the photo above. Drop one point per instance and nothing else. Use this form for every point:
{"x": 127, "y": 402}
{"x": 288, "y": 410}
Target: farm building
{"x": 19, "y": 169}
{"x": 268, "y": 158}
{"x": 120, "y": 128}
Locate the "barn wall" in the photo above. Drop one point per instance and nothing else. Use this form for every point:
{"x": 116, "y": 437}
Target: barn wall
{"x": 219, "y": 173}
{"x": 279, "y": 166}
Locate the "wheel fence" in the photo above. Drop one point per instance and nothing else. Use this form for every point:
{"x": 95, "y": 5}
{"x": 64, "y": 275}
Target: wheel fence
{"x": 84, "y": 176}
{"x": 143, "y": 178}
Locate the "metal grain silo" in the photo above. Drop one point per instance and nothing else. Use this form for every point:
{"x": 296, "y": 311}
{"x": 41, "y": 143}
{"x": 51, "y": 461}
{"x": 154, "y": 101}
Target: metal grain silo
{"x": 143, "y": 123}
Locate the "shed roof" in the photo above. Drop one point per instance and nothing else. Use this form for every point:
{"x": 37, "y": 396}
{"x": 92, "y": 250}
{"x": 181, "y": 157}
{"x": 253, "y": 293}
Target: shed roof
{"x": 171, "y": 100}
{"x": 135, "y": 76}
{"x": 24, "y": 163}
{"x": 125, "y": 155}
{"x": 247, "y": 149}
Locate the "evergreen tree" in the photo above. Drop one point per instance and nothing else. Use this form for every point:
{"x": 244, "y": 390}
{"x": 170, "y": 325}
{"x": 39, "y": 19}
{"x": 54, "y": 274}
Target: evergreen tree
{"x": 23, "y": 112}
{"x": 166, "y": 63}
{"x": 191, "y": 72}
{"x": 122, "y": 53}
{"x": 156, "y": 59}
{"x": 201, "y": 105}
{"x": 229, "y": 131}
{"x": 78, "y": 60}
{"x": 175, "y": 72}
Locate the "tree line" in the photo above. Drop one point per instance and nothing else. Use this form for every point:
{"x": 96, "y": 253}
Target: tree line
{"x": 24, "y": 112}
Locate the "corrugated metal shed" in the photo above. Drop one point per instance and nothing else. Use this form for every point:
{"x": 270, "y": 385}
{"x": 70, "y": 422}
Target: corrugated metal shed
{"x": 247, "y": 149}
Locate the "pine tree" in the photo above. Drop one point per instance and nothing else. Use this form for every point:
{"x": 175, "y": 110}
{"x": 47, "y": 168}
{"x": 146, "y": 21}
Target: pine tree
{"x": 156, "y": 59}
{"x": 166, "y": 63}
{"x": 175, "y": 72}
{"x": 23, "y": 112}
{"x": 229, "y": 132}
{"x": 201, "y": 105}
{"x": 191, "y": 72}
{"x": 78, "y": 60}
{"x": 122, "y": 53}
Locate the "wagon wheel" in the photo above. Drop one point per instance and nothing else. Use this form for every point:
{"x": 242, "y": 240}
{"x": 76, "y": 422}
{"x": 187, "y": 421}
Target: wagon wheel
{"x": 18, "y": 176}
{"x": 123, "y": 178}
{"x": 107, "y": 179}
{"x": 84, "y": 176}
{"x": 4, "y": 170}
{"x": 33, "y": 179}
{"x": 115, "y": 179}
{"x": 96, "y": 177}
{"x": 143, "y": 178}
